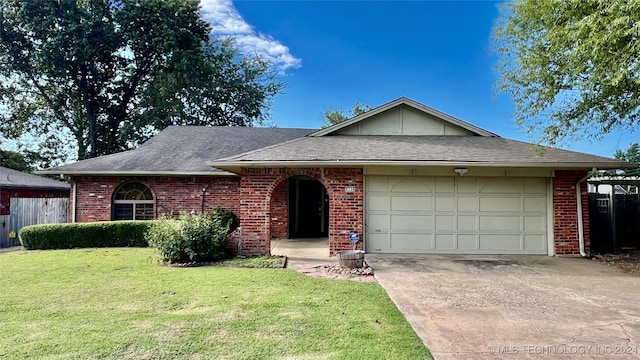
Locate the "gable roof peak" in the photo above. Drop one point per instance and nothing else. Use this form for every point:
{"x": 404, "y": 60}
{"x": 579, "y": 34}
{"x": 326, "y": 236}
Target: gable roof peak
{"x": 403, "y": 100}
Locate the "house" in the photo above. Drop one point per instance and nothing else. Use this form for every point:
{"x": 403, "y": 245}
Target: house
{"x": 15, "y": 185}
{"x": 404, "y": 177}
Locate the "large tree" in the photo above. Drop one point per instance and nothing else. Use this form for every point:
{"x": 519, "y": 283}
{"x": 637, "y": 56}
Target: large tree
{"x": 335, "y": 116}
{"x": 572, "y": 67}
{"x": 108, "y": 74}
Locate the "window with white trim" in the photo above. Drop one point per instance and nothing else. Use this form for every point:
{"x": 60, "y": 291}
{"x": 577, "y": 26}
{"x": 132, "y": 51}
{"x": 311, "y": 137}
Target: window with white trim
{"x": 133, "y": 201}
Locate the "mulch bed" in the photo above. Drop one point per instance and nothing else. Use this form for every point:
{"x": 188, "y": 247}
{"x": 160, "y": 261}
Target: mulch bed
{"x": 334, "y": 271}
{"x": 627, "y": 260}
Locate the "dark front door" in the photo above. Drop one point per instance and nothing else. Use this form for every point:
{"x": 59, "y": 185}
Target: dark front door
{"x": 308, "y": 208}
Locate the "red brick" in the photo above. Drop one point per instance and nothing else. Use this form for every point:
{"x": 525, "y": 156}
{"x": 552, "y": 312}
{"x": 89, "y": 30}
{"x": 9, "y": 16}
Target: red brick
{"x": 565, "y": 210}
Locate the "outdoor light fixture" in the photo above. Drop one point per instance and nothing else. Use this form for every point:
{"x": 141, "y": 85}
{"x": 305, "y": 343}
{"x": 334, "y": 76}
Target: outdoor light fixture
{"x": 460, "y": 171}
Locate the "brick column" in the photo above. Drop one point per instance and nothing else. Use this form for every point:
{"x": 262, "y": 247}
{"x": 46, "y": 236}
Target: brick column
{"x": 346, "y": 212}
{"x": 565, "y": 212}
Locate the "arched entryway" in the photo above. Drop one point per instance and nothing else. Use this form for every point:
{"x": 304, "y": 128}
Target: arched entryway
{"x": 299, "y": 223}
{"x": 265, "y": 206}
{"x": 308, "y": 205}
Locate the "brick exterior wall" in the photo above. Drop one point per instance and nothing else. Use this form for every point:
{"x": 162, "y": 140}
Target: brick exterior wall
{"x": 280, "y": 211}
{"x": 170, "y": 194}
{"x": 565, "y": 212}
{"x": 6, "y": 195}
{"x": 260, "y": 199}
{"x": 261, "y": 193}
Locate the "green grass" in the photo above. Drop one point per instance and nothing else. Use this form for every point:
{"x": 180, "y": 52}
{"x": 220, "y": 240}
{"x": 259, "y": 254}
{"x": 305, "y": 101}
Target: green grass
{"x": 121, "y": 304}
{"x": 254, "y": 262}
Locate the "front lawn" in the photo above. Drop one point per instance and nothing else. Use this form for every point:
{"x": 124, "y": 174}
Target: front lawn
{"x": 121, "y": 304}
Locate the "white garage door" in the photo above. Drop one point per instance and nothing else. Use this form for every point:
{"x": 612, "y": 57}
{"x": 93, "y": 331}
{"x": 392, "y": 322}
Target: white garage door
{"x": 464, "y": 215}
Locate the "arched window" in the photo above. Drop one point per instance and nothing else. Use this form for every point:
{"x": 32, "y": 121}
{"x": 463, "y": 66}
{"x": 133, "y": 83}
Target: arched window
{"x": 133, "y": 201}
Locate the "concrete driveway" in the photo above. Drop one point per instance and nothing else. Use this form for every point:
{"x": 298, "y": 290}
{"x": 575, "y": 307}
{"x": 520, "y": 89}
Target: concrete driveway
{"x": 515, "y": 307}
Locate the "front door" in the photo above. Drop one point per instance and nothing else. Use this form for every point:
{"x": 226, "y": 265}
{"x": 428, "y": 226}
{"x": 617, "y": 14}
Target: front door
{"x": 308, "y": 208}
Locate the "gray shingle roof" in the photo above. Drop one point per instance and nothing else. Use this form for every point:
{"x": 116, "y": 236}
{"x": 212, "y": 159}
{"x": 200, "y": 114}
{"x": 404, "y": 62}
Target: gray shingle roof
{"x": 15, "y": 179}
{"x": 182, "y": 150}
{"x": 428, "y": 149}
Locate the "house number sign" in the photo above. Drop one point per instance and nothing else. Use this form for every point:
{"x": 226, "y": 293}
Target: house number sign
{"x": 350, "y": 189}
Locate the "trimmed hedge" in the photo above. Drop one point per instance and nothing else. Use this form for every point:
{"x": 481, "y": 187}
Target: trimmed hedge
{"x": 85, "y": 235}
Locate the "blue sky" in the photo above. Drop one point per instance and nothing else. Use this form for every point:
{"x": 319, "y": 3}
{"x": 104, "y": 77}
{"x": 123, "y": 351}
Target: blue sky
{"x": 333, "y": 54}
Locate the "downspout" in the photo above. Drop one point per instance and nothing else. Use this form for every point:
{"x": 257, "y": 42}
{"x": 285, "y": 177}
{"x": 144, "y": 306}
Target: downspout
{"x": 579, "y": 205}
{"x": 73, "y": 203}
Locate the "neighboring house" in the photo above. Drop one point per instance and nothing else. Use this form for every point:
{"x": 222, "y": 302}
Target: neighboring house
{"x": 405, "y": 177}
{"x": 18, "y": 185}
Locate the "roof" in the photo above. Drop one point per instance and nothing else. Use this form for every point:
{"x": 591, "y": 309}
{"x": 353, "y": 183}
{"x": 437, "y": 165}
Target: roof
{"x": 408, "y": 102}
{"x": 182, "y": 150}
{"x": 14, "y": 179}
{"x": 415, "y": 150}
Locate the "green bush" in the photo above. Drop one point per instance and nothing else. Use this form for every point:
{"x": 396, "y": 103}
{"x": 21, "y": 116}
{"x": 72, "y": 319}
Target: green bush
{"x": 192, "y": 238}
{"x": 85, "y": 235}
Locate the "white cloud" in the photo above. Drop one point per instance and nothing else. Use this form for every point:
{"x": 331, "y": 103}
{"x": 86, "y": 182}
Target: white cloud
{"x": 227, "y": 21}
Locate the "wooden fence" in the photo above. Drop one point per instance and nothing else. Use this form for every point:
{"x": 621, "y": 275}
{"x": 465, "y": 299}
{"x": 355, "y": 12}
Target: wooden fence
{"x": 614, "y": 225}
{"x": 30, "y": 211}
{"x": 4, "y": 231}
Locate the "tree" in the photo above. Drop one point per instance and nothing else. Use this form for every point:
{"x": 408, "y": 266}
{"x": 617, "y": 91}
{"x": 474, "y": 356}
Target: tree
{"x": 571, "y": 67}
{"x": 15, "y": 160}
{"x": 631, "y": 155}
{"x": 108, "y": 74}
{"x": 332, "y": 117}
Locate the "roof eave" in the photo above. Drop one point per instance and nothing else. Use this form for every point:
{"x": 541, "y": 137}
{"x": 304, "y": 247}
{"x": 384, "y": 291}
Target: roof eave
{"x": 43, "y": 188}
{"x": 135, "y": 173}
{"x": 360, "y": 163}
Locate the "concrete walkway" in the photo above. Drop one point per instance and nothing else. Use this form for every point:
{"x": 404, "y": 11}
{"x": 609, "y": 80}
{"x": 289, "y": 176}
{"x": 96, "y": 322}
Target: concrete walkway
{"x": 12, "y": 248}
{"x": 515, "y": 307}
{"x": 303, "y": 253}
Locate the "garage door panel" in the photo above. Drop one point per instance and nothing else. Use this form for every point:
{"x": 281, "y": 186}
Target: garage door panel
{"x": 412, "y": 203}
{"x": 500, "y": 186}
{"x": 445, "y": 222}
{"x": 378, "y": 242}
{"x": 536, "y": 204}
{"x": 534, "y": 242}
{"x": 402, "y": 241}
{"x": 467, "y": 242}
{"x": 380, "y": 184}
{"x": 535, "y": 186}
{"x": 378, "y": 221}
{"x": 445, "y": 242}
{"x": 509, "y": 242}
{"x": 534, "y": 223}
{"x": 445, "y": 185}
{"x": 499, "y": 223}
{"x": 466, "y": 185}
{"x": 378, "y": 203}
{"x": 467, "y": 223}
{"x": 411, "y": 222}
{"x": 500, "y": 204}
{"x": 456, "y": 215}
{"x": 445, "y": 203}
{"x": 412, "y": 185}
{"x": 470, "y": 204}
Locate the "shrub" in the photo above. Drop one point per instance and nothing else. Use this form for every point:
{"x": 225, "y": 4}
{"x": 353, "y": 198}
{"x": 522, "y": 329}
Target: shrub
{"x": 85, "y": 235}
{"x": 196, "y": 238}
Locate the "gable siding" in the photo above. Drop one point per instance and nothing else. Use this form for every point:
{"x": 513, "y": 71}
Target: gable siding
{"x": 403, "y": 120}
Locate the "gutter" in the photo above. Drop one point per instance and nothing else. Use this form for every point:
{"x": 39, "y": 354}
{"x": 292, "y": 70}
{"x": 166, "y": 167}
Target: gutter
{"x": 135, "y": 173}
{"x": 226, "y": 164}
{"x": 579, "y": 206}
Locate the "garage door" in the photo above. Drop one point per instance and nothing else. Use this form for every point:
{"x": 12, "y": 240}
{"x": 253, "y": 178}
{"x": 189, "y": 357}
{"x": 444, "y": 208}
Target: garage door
{"x": 463, "y": 215}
